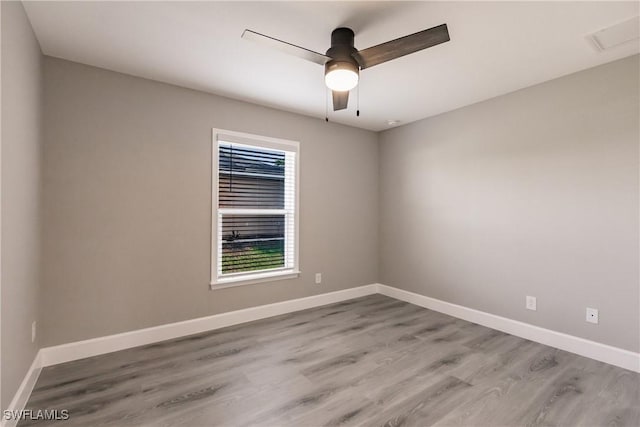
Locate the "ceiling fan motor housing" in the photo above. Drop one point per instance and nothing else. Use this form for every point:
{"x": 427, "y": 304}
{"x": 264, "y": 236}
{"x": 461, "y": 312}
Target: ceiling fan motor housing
{"x": 341, "y": 52}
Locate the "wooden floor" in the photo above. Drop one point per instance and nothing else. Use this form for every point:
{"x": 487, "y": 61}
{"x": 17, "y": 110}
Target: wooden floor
{"x": 367, "y": 361}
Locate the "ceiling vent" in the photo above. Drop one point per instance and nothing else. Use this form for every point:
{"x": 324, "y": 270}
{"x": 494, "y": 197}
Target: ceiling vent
{"x": 617, "y": 34}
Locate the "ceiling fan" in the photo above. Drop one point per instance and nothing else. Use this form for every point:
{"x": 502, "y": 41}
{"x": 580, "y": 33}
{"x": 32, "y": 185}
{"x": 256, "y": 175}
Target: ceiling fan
{"x": 343, "y": 62}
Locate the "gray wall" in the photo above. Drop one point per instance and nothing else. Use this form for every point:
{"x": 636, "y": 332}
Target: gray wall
{"x": 127, "y": 203}
{"x": 531, "y": 193}
{"x": 21, "y": 154}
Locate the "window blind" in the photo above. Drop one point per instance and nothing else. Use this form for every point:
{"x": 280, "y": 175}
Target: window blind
{"x": 256, "y": 209}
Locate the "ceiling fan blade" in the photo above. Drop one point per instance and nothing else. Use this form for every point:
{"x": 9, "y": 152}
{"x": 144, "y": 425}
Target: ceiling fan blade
{"x": 403, "y": 46}
{"x": 289, "y": 48}
{"x": 340, "y": 99}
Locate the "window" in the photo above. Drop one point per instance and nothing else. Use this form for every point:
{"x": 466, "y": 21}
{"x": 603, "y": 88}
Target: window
{"x": 255, "y": 209}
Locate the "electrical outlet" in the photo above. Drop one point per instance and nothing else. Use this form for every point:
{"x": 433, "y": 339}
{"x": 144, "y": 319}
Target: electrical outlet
{"x": 33, "y": 331}
{"x": 318, "y": 278}
{"x": 592, "y": 315}
{"x": 531, "y": 303}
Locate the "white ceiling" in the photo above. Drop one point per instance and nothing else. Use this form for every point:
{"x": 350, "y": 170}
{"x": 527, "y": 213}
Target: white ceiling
{"x": 495, "y": 48}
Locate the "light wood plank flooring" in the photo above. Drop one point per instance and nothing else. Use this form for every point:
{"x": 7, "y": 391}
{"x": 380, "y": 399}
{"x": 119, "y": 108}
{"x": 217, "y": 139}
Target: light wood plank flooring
{"x": 368, "y": 361}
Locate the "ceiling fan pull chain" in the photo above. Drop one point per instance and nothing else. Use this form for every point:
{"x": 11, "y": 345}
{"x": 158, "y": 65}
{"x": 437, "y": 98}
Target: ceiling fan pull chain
{"x": 358, "y": 97}
{"x": 326, "y": 105}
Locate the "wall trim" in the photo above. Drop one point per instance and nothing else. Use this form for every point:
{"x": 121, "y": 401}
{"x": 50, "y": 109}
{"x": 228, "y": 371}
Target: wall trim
{"x": 80, "y": 349}
{"x": 21, "y": 397}
{"x": 107, "y": 344}
{"x": 605, "y": 353}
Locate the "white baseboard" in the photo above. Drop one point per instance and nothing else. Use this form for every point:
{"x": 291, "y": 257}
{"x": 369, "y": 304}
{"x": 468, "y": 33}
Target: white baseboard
{"x": 594, "y": 350}
{"x": 96, "y": 346}
{"x": 24, "y": 391}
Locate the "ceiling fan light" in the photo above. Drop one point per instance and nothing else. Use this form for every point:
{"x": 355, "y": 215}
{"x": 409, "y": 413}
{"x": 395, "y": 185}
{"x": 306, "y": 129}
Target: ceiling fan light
{"x": 341, "y": 80}
{"x": 341, "y": 76}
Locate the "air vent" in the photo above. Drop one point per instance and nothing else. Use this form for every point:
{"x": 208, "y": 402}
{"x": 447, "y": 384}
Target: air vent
{"x": 617, "y": 34}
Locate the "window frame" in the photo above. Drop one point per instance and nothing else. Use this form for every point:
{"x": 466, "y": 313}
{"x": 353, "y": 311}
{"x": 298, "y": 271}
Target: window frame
{"x": 251, "y": 277}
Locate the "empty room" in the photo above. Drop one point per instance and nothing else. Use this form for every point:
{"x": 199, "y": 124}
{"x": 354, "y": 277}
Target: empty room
{"x": 319, "y": 213}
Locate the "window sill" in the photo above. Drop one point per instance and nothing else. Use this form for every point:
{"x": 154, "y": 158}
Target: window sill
{"x": 252, "y": 279}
